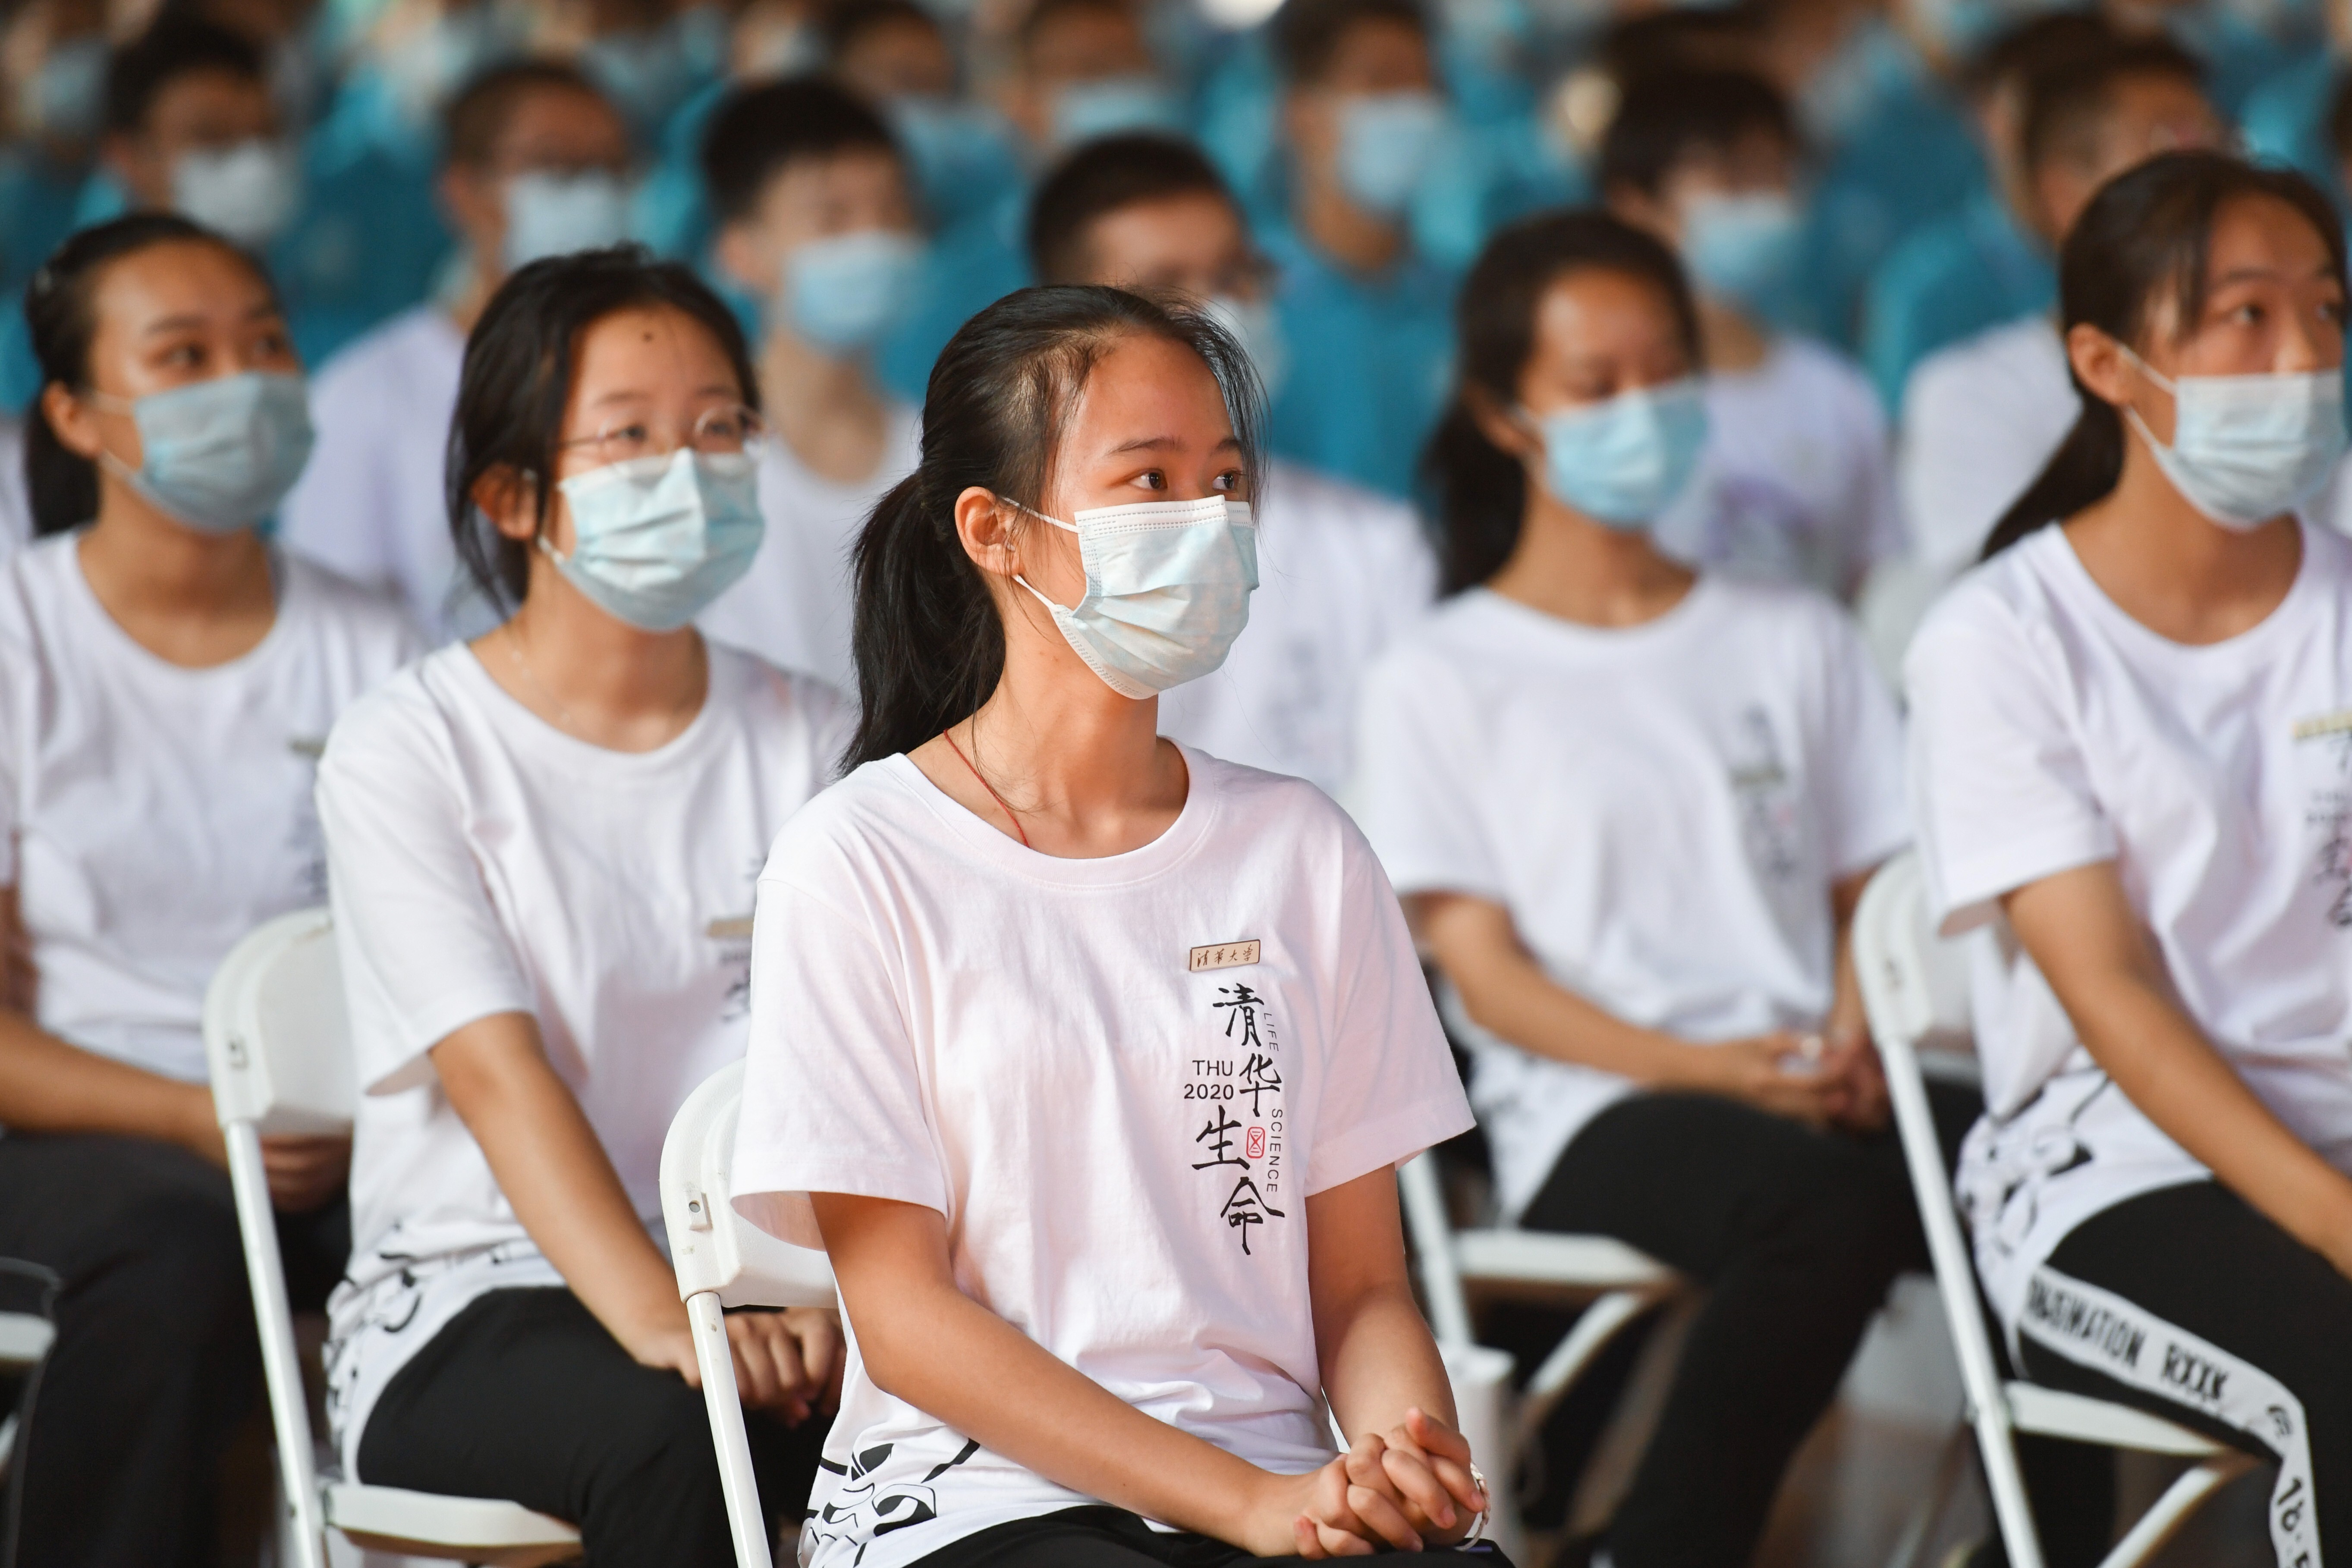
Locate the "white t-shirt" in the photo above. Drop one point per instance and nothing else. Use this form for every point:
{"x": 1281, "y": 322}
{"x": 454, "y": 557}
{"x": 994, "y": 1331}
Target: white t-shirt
{"x": 1794, "y": 484}
{"x": 1120, "y": 1080}
{"x": 1662, "y": 808}
{"x": 151, "y": 815}
{"x": 1343, "y": 571}
{"x": 487, "y": 862}
{"x": 371, "y": 504}
{"x": 1980, "y": 419}
{"x": 2050, "y": 730}
{"x": 15, "y": 505}
{"x": 793, "y": 608}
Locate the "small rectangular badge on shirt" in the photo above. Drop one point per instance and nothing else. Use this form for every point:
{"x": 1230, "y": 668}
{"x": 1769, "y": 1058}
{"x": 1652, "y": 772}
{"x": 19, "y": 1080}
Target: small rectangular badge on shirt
{"x": 733, "y": 929}
{"x": 2334, "y": 723}
{"x": 311, "y": 746}
{"x": 1224, "y": 955}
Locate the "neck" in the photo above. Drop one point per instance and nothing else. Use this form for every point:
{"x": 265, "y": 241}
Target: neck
{"x": 2173, "y": 569}
{"x": 1358, "y": 240}
{"x": 190, "y": 597}
{"x": 1569, "y": 566}
{"x": 1730, "y": 340}
{"x": 591, "y": 675}
{"x": 824, "y": 408}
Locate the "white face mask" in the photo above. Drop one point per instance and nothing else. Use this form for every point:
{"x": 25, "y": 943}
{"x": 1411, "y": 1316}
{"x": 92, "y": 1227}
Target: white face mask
{"x": 1168, "y": 587}
{"x": 2247, "y": 447}
{"x": 245, "y": 192}
{"x": 555, "y": 214}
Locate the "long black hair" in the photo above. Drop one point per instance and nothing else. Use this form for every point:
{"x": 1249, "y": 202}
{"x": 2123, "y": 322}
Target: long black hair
{"x": 61, "y": 316}
{"x": 1480, "y": 489}
{"x": 518, "y": 379}
{"x": 2142, "y": 241}
{"x": 929, "y": 644}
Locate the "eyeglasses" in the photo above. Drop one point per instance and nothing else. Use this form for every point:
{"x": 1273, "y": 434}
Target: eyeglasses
{"x": 724, "y": 431}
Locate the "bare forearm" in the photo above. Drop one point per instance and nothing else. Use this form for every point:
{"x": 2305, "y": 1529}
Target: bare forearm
{"x": 1508, "y": 993}
{"x": 49, "y": 1086}
{"x": 1379, "y": 1362}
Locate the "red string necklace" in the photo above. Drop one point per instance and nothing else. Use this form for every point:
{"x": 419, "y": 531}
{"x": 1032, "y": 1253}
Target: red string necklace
{"x": 948, "y": 736}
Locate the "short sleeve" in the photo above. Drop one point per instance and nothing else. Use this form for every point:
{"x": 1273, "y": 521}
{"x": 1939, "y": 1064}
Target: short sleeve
{"x": 424, "y": 952}
{"x": 1862, "y": 767}
{"x": 1389, "y": 1089}
{"x": 2000, "y": 790}
{"x": 833, "y": 1101}
{"x": 1414, "y": 793}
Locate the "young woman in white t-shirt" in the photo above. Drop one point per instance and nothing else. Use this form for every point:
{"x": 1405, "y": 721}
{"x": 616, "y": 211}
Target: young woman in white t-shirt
{"x": 2132, "y": 765}
{"x": 166, "y": 679}
{"x": 1087, "y": 1056}
{"x": 1631, "y": 807}
{"x": 544, "y": 845}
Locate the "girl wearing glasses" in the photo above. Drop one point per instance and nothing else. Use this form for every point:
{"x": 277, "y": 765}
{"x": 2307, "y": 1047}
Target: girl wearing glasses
{"x": 543, "y": 846}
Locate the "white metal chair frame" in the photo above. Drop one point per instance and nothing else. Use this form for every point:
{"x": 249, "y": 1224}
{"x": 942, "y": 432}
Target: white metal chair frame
{"x": 724, "y": 1261}
{"x": 277, "y": 1040}
{"x": 24, "y": 1339}
{"x": 1915, "y": 988}
{"x": 1620, "y": 1282}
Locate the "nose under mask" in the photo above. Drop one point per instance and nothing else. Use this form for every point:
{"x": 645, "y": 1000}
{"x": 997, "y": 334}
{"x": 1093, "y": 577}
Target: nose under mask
{"x": 2247, "y": 447}
{"x": 1168, "y": 587}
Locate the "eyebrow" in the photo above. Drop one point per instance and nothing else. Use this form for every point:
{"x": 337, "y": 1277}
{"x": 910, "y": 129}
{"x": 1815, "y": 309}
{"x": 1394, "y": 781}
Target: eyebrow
{"x": 1164, "y": 443}
{"x": 2268, "y": 275}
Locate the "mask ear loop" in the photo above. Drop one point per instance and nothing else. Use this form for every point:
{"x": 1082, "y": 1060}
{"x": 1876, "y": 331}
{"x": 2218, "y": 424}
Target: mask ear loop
{"x": 1057, "y": 610}
{"x": 2171, "y": 390}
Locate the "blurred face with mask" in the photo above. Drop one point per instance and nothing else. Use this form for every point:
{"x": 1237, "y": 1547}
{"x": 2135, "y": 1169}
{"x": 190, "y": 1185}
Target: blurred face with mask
{"x": 1363, "y": 130}
{"x": 1732, "y": 213}
{"x": 1086, "y": 71}
{"x": 53, "y": 65}
{"x": 1195, "y": 243}
{"x": 548, "y": 176}
{"x": 209, "y": 146}
{"x": 830, "y": 246}
{"x": 2133, "y": 118}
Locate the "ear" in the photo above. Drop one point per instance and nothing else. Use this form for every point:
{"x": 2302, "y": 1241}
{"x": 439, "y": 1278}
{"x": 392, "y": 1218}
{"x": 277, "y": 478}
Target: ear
{"x": 510, "y": 498}
{"x": 989, "y": 530}
{"x": 2099, "y": 365}
{"x": 71, "y": 423}
{"x": 1501, "y": 426}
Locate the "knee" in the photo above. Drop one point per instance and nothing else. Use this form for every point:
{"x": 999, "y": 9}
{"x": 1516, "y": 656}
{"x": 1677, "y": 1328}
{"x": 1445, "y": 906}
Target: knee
{"x": 177, "y": 1270}
{"x": 1851, "y": 1220}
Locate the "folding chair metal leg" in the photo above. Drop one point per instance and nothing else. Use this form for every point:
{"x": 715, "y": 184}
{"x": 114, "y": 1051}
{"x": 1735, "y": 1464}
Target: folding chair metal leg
{"x": 2160, "y": 1524}
{"x": 289, "y": 1417}
{"x": 726, "y": 1406}
{"x": 1600, "y": 1322}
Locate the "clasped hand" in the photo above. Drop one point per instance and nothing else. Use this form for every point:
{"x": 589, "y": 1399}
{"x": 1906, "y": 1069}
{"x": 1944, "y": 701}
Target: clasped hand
{"x": 1408, "y": 1488}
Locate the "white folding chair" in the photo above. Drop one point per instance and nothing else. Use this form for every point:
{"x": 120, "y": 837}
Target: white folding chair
{"x": 1914, "y": 987}
{"x": 278, "y": 1042}
{"x": 723, "y": 1261}
{"x": 1620, "y": 1283}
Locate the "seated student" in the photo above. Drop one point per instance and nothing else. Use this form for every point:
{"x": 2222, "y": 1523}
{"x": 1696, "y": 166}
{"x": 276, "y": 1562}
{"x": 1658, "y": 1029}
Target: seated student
{"x": 1630, "y": 809}
{"x": 1341, "y": 569}
{"x": 1980, "y": 418}
{"x": 817, "y": 224}
{"x": 895, "y": 53}
{"x": 1987, "y": 260}
{"x": 2127, "y": 761}
{"x": 1088, "y": 1057}
{"x": 53, "y": 103}
{"x": 543, "y": 844}
{"x": 1364, "y": 316}
{"x": 166, "y": 679}
{"x": 532, "y": 166}
{"x": 1794, "y": 482}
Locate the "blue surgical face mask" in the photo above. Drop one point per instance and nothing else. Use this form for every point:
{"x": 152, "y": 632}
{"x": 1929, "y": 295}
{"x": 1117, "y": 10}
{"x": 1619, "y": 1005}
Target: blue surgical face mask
{"x": 648, "y": 74}
{"x": 1386, "y": 143}
{"x": 217, "y": 454}
{"x": 1621, "y": 461}
{"x": 1168, "y": 587}
{"x": 428, "y": 66}
{"x": 655, "y": 540}
{"x": 555, "y": 214}
{"x": 1086, "y": 110}
{"x": 68, "y": 93}
{"x": 246, "y": 192}
{"x": 1743, "y": 249}
{"x": 2247, "y": 447}
{"x": 843, "y": 293}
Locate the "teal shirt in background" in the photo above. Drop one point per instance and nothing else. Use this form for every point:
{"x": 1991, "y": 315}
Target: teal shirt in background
{"x": 1972, "y": 269}
{"x": 2285, "y": 119}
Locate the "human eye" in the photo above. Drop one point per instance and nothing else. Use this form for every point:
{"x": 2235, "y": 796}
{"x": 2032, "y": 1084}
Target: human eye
{"x": 1228, "y": 483}
{"x": 1152, "y": 479}
{"x": 184, "y": 355}
{"x": 620, "y": 442}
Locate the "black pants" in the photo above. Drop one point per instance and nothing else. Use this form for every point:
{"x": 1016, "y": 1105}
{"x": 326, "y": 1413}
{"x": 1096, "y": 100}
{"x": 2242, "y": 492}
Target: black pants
{"x": 1104, "y": 1537}
{"x": 525, "y": 1396}
{"x": 1796, "y": 1237}
{"x": 156, "y": 1358}
{"x": 2187, "y": 1303}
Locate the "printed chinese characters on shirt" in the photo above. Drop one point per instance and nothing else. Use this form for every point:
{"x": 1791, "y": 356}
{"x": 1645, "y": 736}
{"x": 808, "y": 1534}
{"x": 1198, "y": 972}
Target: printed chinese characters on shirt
{"x": 1236, "y": 1092}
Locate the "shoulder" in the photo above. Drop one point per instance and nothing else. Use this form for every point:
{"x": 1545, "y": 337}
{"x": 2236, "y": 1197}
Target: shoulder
{"x": 34, "y": 584}
{"x": 2327, "y": 556}
{"x": 834, "y": 846}
{"x": 1276, "y": 813}
{"x": 1994, "y": 606}
{"x": 403, "y": 721}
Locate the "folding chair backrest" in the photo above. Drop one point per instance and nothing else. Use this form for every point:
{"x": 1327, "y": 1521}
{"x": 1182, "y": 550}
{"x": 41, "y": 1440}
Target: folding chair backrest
{"x": 714, "y": 1248}
{"x": 276, "y": 1034}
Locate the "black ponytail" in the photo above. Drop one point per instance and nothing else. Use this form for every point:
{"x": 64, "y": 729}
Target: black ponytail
{"x": 929, "y": 645}
{"x": 1481, "y": 490}
{"x": 61, "y": 313}
{"x": 2142, "y": 241}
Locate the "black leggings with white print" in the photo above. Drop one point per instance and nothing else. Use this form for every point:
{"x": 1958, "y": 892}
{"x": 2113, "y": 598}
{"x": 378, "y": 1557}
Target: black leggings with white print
{"x": 2186, "y": 1302}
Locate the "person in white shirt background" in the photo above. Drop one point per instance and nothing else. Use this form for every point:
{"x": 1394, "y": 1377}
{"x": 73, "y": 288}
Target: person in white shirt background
{"x": 816, "y": 221}
{"x": 2129, "y": 765}
{"x": 1632, "y": 809}
{"x": 1088, "y": 1057}
{"x": 1794, "y": 483}
{"x": 1980, "y": 418}
{"x": 533, "y": 159}
{"x": 1342, "y": 571}
{"x": 166, "y": 680}
{"x": 543, "y": 845}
